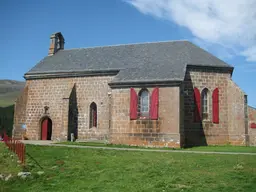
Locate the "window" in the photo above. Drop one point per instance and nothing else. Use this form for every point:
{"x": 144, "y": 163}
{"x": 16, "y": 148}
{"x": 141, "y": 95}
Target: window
{"x": 143, "y": 106}
{"x": 93, "y": 115}
{"x": 205, "y": 103}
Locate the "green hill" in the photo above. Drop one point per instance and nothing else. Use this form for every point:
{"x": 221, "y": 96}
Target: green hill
{"x": 9, "y": 91}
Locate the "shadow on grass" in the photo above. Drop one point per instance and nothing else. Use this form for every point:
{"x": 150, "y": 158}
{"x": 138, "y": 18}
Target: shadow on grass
{"x": 27, "y": 168}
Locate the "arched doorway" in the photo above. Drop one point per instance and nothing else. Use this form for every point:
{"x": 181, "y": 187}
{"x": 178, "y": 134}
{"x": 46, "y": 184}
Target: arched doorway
{"x": 46, "y": 129}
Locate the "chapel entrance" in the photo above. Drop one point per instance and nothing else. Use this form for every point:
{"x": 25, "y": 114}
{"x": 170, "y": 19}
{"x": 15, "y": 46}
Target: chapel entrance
{"x": 46, "y": 129}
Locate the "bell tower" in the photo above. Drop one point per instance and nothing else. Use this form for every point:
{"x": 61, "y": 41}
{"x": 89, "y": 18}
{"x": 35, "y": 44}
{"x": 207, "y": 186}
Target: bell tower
{"x": 56, "y": 43}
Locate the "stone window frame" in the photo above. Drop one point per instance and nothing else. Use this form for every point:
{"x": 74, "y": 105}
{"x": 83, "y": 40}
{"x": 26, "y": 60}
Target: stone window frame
{"x": 144, "y": 114}
{"x": 205, "y": 104}
{"x": 93, "y": 115}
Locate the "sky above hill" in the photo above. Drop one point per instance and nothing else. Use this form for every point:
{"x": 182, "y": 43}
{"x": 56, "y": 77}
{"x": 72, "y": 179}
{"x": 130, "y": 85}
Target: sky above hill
{"x": 224, "y": 28}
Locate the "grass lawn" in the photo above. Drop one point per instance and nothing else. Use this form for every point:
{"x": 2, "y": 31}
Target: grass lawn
{"x": 8, "y": 161}
{"x": 75, "y": 169}
{"x": 224, "y": 148}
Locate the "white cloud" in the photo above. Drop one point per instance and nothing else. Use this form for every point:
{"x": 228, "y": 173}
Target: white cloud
{"x": 229, "y": 23}
{"x": 250, "y": 54}
{"x": 216, "y": 49}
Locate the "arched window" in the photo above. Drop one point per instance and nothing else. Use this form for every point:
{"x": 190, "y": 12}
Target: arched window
{"x": 205, "y": 103}
{"x": 143, "y": 103}
{"x": 93, "y": 115}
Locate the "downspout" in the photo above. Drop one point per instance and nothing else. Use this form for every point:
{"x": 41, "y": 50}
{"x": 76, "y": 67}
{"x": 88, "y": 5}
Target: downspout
{"x": 109, "y": 114}
{"x": 246, "y": 120}
{"x": 182, "y": 92}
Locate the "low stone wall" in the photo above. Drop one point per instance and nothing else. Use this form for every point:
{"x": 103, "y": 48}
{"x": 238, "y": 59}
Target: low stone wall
{"x": 145, "y": 133}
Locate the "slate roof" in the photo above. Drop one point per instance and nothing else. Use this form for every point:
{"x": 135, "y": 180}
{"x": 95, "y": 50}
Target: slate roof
{"x": 154, "y": 61}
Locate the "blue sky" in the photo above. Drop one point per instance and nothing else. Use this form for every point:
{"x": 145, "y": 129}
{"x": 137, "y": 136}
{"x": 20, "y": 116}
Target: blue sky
{"x": 27, "y": 25}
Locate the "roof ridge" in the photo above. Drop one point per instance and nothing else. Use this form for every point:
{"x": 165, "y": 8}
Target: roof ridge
{"x": 139, "y": 43}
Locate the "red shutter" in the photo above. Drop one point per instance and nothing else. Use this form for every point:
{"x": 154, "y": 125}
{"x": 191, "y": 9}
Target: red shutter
{"x": 197, "y": 103}
{"x": 253, "y": 125}
{"x": 154, "y": 104}
{"x": 133, "y": 104}
{"x": 215, "y": 106}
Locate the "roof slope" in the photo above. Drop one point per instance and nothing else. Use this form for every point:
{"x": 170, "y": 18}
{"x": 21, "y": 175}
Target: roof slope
{"x": 136, "y": 62}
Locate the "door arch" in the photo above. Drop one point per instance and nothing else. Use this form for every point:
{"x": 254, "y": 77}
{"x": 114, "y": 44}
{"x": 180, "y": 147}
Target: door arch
{"x": 46, "y": 129}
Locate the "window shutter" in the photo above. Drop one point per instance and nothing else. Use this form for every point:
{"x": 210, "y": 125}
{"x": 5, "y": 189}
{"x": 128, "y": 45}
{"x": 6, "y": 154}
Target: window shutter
{"x": 197, "y": 103}
{"x": 215, "y": 106}
{"x": 154, "y": 104}
{"x": 133, "y": 104}
{"x": 253, "y": 125}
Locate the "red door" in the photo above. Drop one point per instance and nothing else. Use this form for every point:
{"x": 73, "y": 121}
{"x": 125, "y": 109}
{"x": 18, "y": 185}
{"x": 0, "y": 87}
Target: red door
{"x": 44, "y": 129}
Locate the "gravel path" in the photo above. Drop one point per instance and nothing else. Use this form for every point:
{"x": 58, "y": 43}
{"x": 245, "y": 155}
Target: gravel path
{"x": 50, "y": 143}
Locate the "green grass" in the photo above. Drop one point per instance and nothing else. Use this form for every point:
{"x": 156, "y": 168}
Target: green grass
{"x": 8, "y": 161}
{"x": 76, "y": 169}
{"x": 224, "y": 148}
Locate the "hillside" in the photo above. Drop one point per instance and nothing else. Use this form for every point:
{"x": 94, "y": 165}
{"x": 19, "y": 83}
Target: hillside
{"x": 9, "y": 91}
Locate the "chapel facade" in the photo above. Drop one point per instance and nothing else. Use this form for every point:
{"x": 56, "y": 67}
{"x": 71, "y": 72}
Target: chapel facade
{"x": 161, "y": 94}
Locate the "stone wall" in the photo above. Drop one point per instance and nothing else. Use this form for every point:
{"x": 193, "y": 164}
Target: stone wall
{"x": 55, "y": 93}
{"x": 252, "y": 131}
{"x": 174, "y": 128}
{"x": 236, "y": 114}
{"x": 158, "y": 133}
{"x": 206, "y": 132}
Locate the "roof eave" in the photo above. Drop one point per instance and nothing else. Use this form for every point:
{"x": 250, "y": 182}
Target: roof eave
{"x": 147, "y": 83}
{"x": 50, "y": 75}
{"x": 228, "y": 69}
{"x": 254, "y": 108}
